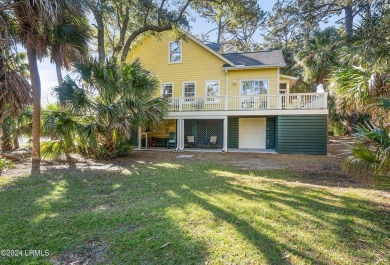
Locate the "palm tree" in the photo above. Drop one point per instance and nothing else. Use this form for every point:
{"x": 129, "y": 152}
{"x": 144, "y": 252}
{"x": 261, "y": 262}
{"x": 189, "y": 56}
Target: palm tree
{"x": 35, "y": 19}
{"x": 69, "y": 43}
{"x": 371, "y": 151}
{"x": 319, "y": 56}
{"x": 15, "y": 91}
{"x": 359, "y": 89}
{"x": 100, "y": 114}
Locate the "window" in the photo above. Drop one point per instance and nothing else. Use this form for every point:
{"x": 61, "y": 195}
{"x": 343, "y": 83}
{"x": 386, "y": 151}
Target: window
{"x": 254, "y": 87}
{"x": 189, "y": 89}
{"x": 167, "y": 90}
{"x": 175, "y": 52}
{"x": 283, "y": 88}
{"x": 212, "y": 90}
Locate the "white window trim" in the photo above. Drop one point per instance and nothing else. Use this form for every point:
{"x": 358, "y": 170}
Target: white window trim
{"x": 287, "y": 87}
{"x": 169, "y": 52}
{"x": 216, "y": 100}
{"x": 162, "y": 90}
{"x": 254, "y": 79}
{"x": 188, "y": 82}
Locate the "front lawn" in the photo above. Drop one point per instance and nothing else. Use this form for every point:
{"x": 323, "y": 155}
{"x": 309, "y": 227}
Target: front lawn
{"x": 183, "y": 212}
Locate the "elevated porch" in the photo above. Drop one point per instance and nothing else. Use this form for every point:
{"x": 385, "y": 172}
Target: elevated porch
{"x": 262, "y": 103}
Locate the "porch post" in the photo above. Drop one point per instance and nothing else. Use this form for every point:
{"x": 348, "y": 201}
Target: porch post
{"x": 225, "y": 133}
{"x": 325, "y": 100}
{"x": 182, "y": 134}
{"x": 178, "y": 134}
{"x": 139, "y": 138}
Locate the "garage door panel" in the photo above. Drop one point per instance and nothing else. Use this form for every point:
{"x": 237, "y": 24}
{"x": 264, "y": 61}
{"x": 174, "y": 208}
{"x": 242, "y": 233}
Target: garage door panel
{"x": 252, "y": 133}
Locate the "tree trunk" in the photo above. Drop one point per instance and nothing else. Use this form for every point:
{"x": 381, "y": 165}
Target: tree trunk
{"x": 348, "y": 19}
{"x": 16, "y": 142}
{"x": 219, "y": 31}
{"x": 59, "y": 74}
{"x": 1, "y": 134}
{"x": 136, "y": 33}
{"x": 6, "y": 144}
{"x": 367, "y": 10}
{"x": 352, "y": 123}
{"x": 36, "y": 89}
{"x": 100, "y": 28}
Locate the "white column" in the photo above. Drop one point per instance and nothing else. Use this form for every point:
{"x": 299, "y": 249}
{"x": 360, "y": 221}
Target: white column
{"x": 139, "y": 138}
{"x": 325, "y": 102}
{"x": 182, "y": 134}
{"x": 225, "y": 134}
{"x": 178, "y": 133}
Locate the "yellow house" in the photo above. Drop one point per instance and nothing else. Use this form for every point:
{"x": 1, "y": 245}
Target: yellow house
{"x": 229, "y": 101}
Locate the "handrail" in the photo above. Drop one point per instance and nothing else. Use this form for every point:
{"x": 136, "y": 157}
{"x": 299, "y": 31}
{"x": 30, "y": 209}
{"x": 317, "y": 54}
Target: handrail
{"x": 250, "y": 102}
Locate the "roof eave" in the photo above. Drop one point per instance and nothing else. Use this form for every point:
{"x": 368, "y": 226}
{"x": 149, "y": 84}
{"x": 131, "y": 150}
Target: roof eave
{"x": 289, "y": 77}
{"x": 254, "y": 67}
{"x": 207, "y": 48}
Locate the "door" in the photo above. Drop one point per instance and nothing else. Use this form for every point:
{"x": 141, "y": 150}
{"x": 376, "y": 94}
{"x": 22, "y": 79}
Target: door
{"x": 283, "y": 90}
{"x": 252, "y": 133}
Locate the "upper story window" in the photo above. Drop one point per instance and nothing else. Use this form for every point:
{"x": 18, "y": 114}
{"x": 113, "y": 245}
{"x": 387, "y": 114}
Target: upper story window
{"x": 212, "y": 90}
{"x": 175, "y": 52}
{"x": 189, "y": 89}
{"x": 254, "y": 87}
{"x": 167, "y": 90}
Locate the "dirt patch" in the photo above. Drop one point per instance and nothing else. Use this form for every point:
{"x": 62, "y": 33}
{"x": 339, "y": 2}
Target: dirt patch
{"x": 314, "y": 169}
{"x": 92, "y": 253}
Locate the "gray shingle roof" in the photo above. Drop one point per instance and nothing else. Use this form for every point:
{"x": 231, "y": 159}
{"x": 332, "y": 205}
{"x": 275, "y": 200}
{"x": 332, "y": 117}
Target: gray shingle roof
{"x": 256, "y": 58}
{"x": 251, "y": 58}
{"x": 214, "y": 46}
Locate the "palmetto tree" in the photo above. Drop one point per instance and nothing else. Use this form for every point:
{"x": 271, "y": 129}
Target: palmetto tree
{"x": 69, "y": 43}
{"x": 359, "y": 89}
{"x": 15, "y": 91}
{"x": 15, "y": 94}
{"x": 34, "y": 20}
{"x": 101, "y": 113}
{"x": 371, "y": 152}
{"x": 319, "y": 56}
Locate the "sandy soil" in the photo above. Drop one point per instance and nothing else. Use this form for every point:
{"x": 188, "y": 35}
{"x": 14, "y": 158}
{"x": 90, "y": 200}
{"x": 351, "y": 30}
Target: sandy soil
{"x": 314, "y": 169}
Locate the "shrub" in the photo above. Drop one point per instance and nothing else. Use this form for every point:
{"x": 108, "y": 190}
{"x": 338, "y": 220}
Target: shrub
{"x": 5, "y": 164}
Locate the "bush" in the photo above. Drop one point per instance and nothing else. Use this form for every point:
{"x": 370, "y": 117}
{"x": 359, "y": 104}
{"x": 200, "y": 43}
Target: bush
{"x": 5, "y": 164}
{"x": 124, "y": 148}
{"x": 337, "y": 128}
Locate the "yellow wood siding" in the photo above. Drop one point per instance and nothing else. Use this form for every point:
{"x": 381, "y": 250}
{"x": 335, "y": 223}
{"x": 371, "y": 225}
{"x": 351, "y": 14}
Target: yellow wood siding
{"x": 198, "y": 65}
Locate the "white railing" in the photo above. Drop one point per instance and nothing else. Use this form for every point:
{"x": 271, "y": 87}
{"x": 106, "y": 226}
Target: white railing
{"x": 258, "y": 102}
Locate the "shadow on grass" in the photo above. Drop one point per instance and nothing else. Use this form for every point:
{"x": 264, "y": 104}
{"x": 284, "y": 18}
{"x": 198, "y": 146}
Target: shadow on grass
{"x": 124, "y": 209}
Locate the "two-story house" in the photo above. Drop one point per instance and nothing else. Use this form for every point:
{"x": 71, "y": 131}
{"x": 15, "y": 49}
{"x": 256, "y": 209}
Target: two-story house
{"x": 229, "y": 101}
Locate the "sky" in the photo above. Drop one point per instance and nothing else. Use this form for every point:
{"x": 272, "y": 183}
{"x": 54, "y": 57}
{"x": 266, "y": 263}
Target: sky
{"x": 48, "y": 72}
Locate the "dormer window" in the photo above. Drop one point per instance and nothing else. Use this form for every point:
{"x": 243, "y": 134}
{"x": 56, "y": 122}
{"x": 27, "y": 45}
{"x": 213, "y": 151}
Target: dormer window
{"x": 175, "y": 52}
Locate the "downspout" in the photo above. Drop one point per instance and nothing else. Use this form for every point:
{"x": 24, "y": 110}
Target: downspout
{"x": 226, "y": 83}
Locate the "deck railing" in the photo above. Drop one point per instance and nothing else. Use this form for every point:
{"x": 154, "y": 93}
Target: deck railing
{"x": 258, "y": 102}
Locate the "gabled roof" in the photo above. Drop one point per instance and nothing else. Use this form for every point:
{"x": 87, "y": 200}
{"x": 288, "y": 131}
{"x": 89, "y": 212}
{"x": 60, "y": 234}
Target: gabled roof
{"x": 251, "y": 59}
{"x": 208, "y": 48}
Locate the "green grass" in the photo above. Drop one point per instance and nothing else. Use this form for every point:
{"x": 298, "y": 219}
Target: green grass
{"x": 206, "y": 212}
